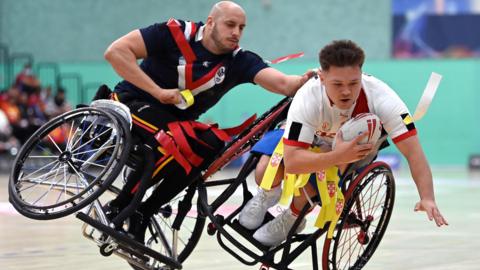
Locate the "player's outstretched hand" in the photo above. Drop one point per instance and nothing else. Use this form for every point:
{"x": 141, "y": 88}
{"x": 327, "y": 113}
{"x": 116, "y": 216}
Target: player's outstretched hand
{"x": 433, "y": 213}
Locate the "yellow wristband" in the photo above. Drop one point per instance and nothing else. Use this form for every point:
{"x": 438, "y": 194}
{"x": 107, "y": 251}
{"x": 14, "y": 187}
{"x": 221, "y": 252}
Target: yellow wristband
{"x": 187, "y": 99}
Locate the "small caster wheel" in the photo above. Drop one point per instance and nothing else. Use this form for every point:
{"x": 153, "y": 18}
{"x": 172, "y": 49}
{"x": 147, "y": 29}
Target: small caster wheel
{"x": 211, "y": 228}
{"x": 107, "y": 249}
{"x": 264, "y": 267}
{"x": 166, "y": 211}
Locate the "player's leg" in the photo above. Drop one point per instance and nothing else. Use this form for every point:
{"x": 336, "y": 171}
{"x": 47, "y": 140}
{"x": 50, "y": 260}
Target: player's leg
{"x": 276, "y": 231}
{"x": 172, "y": 179}
{"x": 146, "y": 123}
{"x": 253, "y": 213}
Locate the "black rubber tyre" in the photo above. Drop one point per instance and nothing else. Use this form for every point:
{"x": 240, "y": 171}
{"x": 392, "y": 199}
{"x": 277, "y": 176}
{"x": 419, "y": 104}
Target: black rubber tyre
{"x": 364, "y": 219}
{"x": 53, "y": 177}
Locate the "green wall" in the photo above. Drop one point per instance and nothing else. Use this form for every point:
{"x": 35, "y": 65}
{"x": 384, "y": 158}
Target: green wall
{"x": 448, "y": 131}
{"x": 73, "y": 30}
{"x": 76, "y": 33}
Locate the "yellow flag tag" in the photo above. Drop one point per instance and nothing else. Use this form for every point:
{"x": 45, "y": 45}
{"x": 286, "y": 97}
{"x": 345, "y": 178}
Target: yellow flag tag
{"x": 272, "y": 167}
{"x": 332, "y": 199}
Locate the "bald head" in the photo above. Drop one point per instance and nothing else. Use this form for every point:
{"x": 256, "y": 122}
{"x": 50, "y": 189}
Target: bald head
{"x": 224, "y": 27}
{"x": 225, "y": 7}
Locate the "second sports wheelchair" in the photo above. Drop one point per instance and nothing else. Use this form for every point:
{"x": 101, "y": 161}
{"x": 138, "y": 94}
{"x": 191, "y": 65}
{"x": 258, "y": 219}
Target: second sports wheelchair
{"x": 53, "y": 178}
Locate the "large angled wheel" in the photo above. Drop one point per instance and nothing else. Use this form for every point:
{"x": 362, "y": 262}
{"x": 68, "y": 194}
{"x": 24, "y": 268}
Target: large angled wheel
{"x": 363, "y": 221}
{"x": 68, "y": 163}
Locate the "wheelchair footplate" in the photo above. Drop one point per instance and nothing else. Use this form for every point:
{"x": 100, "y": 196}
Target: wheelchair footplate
{"x": 126, "y": 247}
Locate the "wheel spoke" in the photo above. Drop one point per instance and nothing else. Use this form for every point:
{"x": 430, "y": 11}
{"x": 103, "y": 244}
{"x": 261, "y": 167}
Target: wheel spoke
{"x": 54, "y": 178}
{"x": 84, "y": 131}
{"x": 46, "y": 192}
{"x": 41, "y": 168}
{"x": 54, "y": 143}
{"x": 91, "y": 140}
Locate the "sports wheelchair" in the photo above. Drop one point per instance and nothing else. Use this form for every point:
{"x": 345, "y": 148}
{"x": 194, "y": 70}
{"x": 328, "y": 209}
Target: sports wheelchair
{"x": 52, "y": 178}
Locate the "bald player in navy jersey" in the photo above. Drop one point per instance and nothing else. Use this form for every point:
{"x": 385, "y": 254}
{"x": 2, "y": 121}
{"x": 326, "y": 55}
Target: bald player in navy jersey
{"x": 203, "y": 58}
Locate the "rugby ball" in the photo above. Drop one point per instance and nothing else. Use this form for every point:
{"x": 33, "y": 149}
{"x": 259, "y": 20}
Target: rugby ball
{"x": 364, "y": 122}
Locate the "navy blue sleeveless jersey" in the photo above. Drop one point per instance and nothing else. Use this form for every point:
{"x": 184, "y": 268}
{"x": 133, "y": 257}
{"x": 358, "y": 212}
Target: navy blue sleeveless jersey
{"x": 177, "y": 59}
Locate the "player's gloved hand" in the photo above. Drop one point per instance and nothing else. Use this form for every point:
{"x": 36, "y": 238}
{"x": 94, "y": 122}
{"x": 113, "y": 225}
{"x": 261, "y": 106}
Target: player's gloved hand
{"x": 433, "y": 213}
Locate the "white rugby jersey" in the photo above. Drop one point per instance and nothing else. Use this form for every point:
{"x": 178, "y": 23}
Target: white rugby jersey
{"x": 312, "y": 114}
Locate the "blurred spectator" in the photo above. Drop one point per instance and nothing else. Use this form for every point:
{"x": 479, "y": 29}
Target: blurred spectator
{"x": 8, "y": 143}
{"x": 46, "y": 95}
{"x": 9, "y": 104}
{"x": 58, "y": 104}
{"x": 27, "y": 82}
{"x": 27, "y": 70}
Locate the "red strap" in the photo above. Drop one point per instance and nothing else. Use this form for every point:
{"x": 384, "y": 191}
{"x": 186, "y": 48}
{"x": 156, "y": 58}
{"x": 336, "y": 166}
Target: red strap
{"x": 181, "y": 41}
{"x": 191, "y": 84}
{"x": 190, "y": 57}
{"x": 179, "y": 147}
{"x": 183, "y": 145}
{"x": 222, "y": 135}
{"x": 188, "y": 128}
{"x": 169, "y": 145}
{"x": 135, "y": 188}
{"x": 236, "y": 130}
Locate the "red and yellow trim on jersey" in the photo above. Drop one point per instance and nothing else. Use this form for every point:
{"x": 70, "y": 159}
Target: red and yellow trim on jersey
{"x": 295, "y": 143}
{"x": 144, "y": 124}
{"x": 409, "y": 125}
{"x": 405, "y": 135}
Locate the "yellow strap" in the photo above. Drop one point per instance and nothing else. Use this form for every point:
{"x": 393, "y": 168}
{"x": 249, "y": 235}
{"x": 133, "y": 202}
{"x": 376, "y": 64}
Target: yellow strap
{"x": 288, "y": 189}
{"x": 292, "y": 185}
{"x": 272, "y": 167}
{"x": 339, "y": 204}
{"x": 187, "y": 99}
{"x": 332, "y": 199}
{"x": 327, "y": 183}
{"x": 300, "y": 182}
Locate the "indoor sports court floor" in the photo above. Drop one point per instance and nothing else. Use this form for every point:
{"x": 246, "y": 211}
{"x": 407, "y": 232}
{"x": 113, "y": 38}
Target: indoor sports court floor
{"x": 411, "y": 242}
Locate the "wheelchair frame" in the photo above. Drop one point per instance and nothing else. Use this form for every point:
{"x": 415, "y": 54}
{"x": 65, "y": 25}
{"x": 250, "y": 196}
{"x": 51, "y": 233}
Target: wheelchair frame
{"x": 353, "y": 182}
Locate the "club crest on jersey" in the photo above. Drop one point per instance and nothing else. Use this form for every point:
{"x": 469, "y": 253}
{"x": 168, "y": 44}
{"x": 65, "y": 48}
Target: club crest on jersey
{"x": 220, "y": 75}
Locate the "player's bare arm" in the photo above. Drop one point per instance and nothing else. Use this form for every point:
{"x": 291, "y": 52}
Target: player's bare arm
{"x": 422, "y": 176}
{"x": 300, "y": 160}
{"x": 123, "y": 54}
{"x": 280, "y": 83}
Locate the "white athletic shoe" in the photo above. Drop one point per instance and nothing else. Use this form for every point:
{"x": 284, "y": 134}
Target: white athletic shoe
{"x": 253, "y": 213}
{"x": 275, "y": 232}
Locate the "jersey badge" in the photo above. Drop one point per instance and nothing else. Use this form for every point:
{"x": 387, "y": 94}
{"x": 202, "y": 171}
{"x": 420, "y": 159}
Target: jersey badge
{"x": 220, "y": 75}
